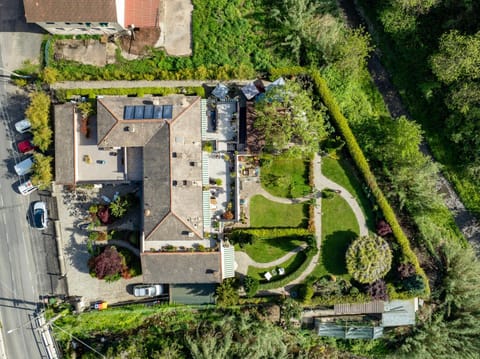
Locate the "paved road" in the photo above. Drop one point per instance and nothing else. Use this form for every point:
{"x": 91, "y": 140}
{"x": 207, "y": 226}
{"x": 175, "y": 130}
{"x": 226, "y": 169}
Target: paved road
{"x": 26, "y": 255}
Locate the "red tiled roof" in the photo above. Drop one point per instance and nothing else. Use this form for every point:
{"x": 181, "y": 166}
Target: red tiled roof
{"x": 141, "y": 13}
{"x": 70, "y": 11}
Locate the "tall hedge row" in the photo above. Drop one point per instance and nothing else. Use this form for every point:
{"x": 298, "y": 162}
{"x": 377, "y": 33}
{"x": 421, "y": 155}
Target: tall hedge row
{"x": 356, "y": 152}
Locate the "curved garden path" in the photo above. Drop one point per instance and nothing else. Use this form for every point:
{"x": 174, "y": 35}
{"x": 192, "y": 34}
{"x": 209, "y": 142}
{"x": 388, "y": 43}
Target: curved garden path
{"x": 321, "y": 182}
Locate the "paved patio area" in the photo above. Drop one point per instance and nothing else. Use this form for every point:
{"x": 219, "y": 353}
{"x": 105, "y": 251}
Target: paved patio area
{"x": 72, "y": 211}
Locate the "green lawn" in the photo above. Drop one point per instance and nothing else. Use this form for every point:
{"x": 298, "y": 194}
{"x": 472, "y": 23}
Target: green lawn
{"x": 290, "y": 266}
{"x": 339, "y": 228}
{"x": 285, "y": 177}
{"x": 264, "y": 250}
{"x": 265, "y": 213}
{"x": 342, "y": 172}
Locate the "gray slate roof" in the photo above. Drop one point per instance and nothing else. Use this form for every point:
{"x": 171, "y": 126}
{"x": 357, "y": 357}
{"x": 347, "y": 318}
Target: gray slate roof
{"x": 70, "y": 11}
{"x": 181, "y": 267}
{"x": 64, "y": 144}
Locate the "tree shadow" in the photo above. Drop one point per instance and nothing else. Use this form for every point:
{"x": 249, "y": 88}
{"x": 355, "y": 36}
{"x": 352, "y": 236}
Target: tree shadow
{"x": 334, "y": 248}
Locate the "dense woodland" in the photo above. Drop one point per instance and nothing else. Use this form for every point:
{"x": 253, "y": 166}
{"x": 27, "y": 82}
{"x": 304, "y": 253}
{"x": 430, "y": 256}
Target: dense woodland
{"x": 432, "y": 49}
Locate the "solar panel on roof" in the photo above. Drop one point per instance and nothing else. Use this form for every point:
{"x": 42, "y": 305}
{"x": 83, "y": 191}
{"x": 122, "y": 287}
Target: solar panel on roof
{"x": 167, "y": 111}
{"x": 139, "y": 112}
{"x": 128, "y": 112}
{"x": 148, "y": 113}
{"x": 157, "y": 111}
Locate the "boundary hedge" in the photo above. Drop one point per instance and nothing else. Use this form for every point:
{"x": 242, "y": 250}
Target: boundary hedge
{"x": 67, "y": 94}
{"x": 361, "y": 162}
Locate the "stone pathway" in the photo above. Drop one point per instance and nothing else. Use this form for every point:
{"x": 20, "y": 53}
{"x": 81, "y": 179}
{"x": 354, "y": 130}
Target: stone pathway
{"x": 321, "y": 182}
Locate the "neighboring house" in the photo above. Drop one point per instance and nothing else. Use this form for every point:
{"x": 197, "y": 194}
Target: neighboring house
{"x": 93, "y": 17}
{"x": 158, "y": 141}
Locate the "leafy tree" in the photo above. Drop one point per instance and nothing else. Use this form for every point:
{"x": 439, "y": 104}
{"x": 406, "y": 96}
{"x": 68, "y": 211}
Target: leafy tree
{"x": 412, "y": 176}
{"x": 458, "y": 57}
{"x": 298, "y": 26}
{"x": 38, "y": 112}
{"x": 119, "y": 207}
{"x": 108, "y": 265}
{"x": 354, "y": 49}
{"x": 86, "y": 108}
{"x": 42, "y": 171}
{"x": 368, "y": 258}
{"x": 251, "y": 286}
{"x": 226, "y": 293}
{"x": 50, "y": 75}
{"x": 286, "y": 116}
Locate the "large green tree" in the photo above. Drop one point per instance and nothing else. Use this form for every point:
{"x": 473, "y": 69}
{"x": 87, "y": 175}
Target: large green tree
{"x": 288, "y": 119}
{"x": 458, "y": 57}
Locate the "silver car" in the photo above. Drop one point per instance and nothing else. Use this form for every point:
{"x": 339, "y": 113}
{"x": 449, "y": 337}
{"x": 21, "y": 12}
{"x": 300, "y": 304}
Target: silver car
{"x": 147, "y": 290}
{"x": 23, "y": 126}
{"x": 40, "y": 215}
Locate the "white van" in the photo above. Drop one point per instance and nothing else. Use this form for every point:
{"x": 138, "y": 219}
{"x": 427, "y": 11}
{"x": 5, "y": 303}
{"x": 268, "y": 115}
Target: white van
{"x": 26, "y": 188}
{"x": 24, "y": 167}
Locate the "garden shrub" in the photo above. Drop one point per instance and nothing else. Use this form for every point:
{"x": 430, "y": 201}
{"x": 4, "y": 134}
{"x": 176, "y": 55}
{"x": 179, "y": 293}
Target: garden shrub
{"x": 251, "y": 286}
{"x": 305, "y": 293}
{"x": 368, "y": 258}
{"x": 378, "y": 290}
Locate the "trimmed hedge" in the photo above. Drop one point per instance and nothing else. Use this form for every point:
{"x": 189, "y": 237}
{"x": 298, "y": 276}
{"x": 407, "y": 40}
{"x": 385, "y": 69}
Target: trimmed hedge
{"x": 65, "y": 95}
{"x": 357, "y": 154}
{"x": 269, "y": 233}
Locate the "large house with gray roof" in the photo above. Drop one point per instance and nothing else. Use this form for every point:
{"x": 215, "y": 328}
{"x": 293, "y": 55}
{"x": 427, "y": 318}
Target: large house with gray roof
{"x": 156, "y": 141}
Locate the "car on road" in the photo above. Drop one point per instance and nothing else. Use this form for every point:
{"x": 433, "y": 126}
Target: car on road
{"x": 24, "y": 167}
{"x": 147, "y": 290}
{"x": 26, "y": 187}
{"x": 40, "y": 215}
{"x": 25, "y": 146}
{"x": 23, "y": 126}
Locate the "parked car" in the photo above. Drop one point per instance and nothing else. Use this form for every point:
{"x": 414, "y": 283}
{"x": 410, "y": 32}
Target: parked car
{"x": 24, "y": 167}
{"x": 147, "y": 290}
{"x": 26, "y": 187}
{"x": 40, "y": 215}
{"x": 23, "y": 126}
{"x": 25, "y": 146}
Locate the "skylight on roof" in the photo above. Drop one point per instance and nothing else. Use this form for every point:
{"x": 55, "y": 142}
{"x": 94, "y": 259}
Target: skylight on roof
{"x": 148, "y": 112}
